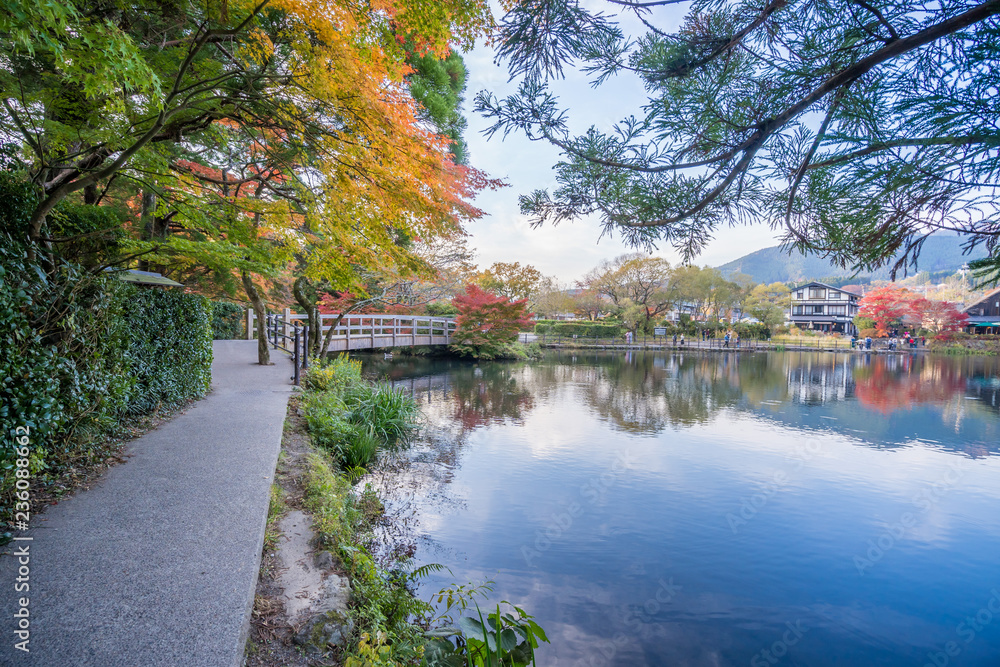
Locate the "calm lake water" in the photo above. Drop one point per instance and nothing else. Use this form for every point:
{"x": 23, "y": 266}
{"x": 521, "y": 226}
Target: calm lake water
{"x": 720, "y": 509}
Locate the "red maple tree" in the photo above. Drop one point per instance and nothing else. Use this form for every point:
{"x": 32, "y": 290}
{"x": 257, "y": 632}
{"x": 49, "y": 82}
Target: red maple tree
{"x": 938, "y": 316}
{"x": 486, "y": 321}
{"x": 886, "y": 306}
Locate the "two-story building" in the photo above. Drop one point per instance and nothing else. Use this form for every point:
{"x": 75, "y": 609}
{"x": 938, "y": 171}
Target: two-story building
{"x": 824, "y": 308}
{"x": 984, "y": 315}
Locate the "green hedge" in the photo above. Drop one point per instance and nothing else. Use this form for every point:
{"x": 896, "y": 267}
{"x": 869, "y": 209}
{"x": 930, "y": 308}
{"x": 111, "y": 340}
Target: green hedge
{"x": 84, "y": 354}
{"x": 168, "y": 348}
{"x": 228, "y": 320}
{"x": 583, "y": 329}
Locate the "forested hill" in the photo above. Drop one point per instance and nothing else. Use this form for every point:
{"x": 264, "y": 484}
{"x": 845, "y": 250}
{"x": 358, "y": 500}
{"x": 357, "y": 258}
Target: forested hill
{"x": 940, "y": 253}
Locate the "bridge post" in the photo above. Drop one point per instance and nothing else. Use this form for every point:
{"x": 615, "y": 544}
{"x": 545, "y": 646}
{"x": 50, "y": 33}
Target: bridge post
{"x": 347, "y": 322}
{"x": 295, "y": 355}
{"x": 305, "y": 337}
{"x": 395, "y": 327}
{"x": 249, "y": 323}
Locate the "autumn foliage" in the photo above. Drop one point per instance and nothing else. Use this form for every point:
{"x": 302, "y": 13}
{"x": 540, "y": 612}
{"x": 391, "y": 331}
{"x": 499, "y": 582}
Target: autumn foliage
{"x": 938, "y": 316}
{"x": 892, "y": 307}
{"x": 487, "y": 322}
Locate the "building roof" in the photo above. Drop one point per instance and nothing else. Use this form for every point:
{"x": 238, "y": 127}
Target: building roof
{"x": 989, "y": 297}
{"x": 815, "y": 282}
{"x": 145, "y": 278}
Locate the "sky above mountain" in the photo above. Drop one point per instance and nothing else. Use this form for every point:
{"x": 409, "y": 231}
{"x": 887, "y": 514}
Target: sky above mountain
{"x": 569, "y": 250}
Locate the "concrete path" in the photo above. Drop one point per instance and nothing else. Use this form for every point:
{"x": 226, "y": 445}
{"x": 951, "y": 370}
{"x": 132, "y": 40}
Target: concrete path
{"x": 157, "y": 564}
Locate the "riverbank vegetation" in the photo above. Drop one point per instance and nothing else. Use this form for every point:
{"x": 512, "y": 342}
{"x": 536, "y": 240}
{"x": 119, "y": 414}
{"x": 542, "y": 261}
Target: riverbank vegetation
{"x": 386, "y": 623}
{"x": 962, "y": 344}
{"x": 352, "y": 418}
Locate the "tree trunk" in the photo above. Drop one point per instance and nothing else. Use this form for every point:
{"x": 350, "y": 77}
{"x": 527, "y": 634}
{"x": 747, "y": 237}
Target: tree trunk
{"x": 306, "y": 296}
{"x": 329, "y": 334}
{"x": 260, "y": 312}
{"x": 148, "y": 222}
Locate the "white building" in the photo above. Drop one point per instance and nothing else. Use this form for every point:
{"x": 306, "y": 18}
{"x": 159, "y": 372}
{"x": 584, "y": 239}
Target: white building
{"x": 824, "y": 308}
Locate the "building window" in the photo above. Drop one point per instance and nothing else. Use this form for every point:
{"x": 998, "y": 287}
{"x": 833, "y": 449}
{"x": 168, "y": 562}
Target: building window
{"x": 817, "y": 293}
{"x": 798, "y": 295}
{"x": 834, "y": 296}
{"x": 816, "y": 310}
{"x": 796, "y": 310}
{"x": 838, "y": 310}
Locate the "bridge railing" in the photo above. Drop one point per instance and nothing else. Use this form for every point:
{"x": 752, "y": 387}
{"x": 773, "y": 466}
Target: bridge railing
{"x": 358, "y": 331}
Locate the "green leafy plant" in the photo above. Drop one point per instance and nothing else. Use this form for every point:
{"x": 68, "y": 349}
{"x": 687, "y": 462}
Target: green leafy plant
{"x": 502, "y": 639}
{"x": 353, "y": 418}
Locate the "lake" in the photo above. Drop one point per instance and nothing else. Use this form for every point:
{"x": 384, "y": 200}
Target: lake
{"x": 656, "y": 508}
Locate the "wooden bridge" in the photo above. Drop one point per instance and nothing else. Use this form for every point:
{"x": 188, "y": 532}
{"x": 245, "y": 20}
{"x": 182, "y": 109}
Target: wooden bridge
{"x": 365, "y": 331}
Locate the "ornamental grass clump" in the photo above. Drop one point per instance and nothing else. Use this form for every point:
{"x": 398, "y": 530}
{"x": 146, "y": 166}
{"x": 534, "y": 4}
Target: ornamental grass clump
{"x": 353, "y": 418}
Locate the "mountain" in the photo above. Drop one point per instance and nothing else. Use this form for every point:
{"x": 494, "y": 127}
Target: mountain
{"x": 941, "y": 253}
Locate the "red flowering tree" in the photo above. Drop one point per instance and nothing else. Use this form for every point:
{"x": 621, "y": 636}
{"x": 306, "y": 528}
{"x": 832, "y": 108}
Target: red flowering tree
{"x": 487, "y": 324}
{"x": 886, "y": 306}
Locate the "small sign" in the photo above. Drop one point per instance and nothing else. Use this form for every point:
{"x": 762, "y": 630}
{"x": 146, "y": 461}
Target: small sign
{"x": 659, "y": 331}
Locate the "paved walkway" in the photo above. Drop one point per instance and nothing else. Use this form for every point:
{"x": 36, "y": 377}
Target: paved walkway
{"x": 157, "y": 564}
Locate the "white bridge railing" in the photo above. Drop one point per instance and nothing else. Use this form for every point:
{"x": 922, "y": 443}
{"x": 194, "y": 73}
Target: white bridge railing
{"x": 365, "y": 331}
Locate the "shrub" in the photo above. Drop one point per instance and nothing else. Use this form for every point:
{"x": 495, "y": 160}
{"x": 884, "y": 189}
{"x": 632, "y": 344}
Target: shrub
{"x": 336, "y": 374}
{"x": 228, "y": 320}
{"x": 169, "y": 347}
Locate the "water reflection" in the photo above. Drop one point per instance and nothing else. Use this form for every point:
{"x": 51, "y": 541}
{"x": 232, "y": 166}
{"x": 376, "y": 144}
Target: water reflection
{"x": 821, "y": 457}
{"x": 892, "y": 399}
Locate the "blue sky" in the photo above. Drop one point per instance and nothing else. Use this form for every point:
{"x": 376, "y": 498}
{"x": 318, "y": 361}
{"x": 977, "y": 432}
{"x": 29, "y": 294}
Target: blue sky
{"x": 569, "y": 250}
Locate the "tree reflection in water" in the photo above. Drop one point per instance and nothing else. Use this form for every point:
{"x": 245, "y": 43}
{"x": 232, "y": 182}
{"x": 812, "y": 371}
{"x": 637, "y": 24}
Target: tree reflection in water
{"x": 647, "y": 392}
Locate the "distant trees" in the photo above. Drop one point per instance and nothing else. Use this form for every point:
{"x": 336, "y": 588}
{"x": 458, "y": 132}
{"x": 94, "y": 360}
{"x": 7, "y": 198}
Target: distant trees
{"x": 769, "y": 303}
{"x": 938, "y": 316}
{"x": 551, "y": 299}
{"x": 588, "y": 304}
{"x": 636, "y": 286}
{"x": 641, "y": 290}
{"x": 510, "y": 279}
{"x": 886, "y": 306}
